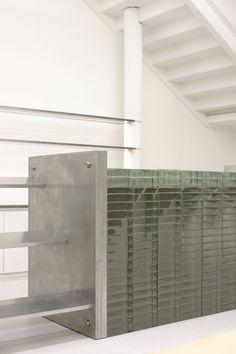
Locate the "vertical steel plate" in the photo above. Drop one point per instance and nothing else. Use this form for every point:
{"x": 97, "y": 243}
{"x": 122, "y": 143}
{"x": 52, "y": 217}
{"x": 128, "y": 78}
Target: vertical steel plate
{"x": 73, "y": 201}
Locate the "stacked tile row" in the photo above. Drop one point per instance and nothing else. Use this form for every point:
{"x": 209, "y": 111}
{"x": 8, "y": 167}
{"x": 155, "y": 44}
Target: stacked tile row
{"x": 171, "y": 246}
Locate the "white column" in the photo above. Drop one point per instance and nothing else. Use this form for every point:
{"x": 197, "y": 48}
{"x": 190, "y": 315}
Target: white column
{"x": 133, "y": 73}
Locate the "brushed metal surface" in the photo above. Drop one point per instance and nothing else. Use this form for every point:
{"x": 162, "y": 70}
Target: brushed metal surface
{"x": 29, "y": 307}
{"x": 75, "y": 198}
{"x": 13, "y": 207}
{"x": 32, "y": 239}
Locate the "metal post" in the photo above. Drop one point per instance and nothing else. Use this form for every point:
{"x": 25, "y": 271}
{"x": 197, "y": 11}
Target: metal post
{"x": 133, "y": 67}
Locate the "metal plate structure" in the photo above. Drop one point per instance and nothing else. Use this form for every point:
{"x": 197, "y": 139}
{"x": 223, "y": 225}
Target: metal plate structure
{"x": 73, "y": 202}
{"x": 29, "y": 239}
{"x": 35, "y": 306}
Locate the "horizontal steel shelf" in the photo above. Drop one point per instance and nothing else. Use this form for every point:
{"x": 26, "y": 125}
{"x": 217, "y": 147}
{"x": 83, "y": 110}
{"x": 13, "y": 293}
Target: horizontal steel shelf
{"x": 25, "y": 141}
{"x": 61, "y": 115}
{"x": 13, "y": 207}
{"x": 45, "y": 305}
{"x": 20, "y": 182}
{"x": 31, "y": 239}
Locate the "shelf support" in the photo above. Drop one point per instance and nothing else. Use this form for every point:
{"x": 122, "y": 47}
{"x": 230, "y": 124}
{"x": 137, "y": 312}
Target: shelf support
{"x": 20, "y": 182}
{"x": 32, "y": 239}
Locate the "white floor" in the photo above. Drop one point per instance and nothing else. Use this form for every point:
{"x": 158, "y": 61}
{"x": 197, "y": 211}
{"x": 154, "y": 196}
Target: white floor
{"x": 39, "y": 336}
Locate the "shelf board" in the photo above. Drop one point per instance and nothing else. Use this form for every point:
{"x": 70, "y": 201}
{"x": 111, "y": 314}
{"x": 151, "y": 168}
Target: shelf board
{"x": 31, "y": 239}
{"x": 44, "y": 305}
{"x": 13, "y": 207}
{"x": 20, "y": 182}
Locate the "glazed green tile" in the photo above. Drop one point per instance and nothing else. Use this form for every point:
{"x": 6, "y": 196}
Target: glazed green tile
{"x": 171, "y": 246}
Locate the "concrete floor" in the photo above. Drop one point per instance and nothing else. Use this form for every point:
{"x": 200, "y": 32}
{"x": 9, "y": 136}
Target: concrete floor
{"x": 39, "y": 336}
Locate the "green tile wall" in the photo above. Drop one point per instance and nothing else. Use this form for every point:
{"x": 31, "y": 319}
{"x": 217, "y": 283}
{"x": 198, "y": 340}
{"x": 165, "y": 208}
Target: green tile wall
{"x": 171, "y": 246}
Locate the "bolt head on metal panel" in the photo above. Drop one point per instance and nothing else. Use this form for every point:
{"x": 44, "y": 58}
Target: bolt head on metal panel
{"x": 88, "y": 164}
{"x": 88, "y": 323}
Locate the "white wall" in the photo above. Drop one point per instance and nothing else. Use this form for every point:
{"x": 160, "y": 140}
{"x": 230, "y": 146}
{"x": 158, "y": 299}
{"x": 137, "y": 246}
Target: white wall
{"x": 57, "y": 54}
{"x": 174, "y": 138}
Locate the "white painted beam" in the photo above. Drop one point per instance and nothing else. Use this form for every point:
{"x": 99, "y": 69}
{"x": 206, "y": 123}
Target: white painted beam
{"x": 173, "y": 32}
{"x": 116, "y": 7}
{"x": 185, "y": 51}
{"x": 197, "y": 69}
{"x": 221, "y": 31}
{"x": 209, "y": 86}
{"x": 211, "y": 90}
{"x": 222, "y": 119}
{"x": 216, "y": 103}
{"x": 161, "y": 11}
